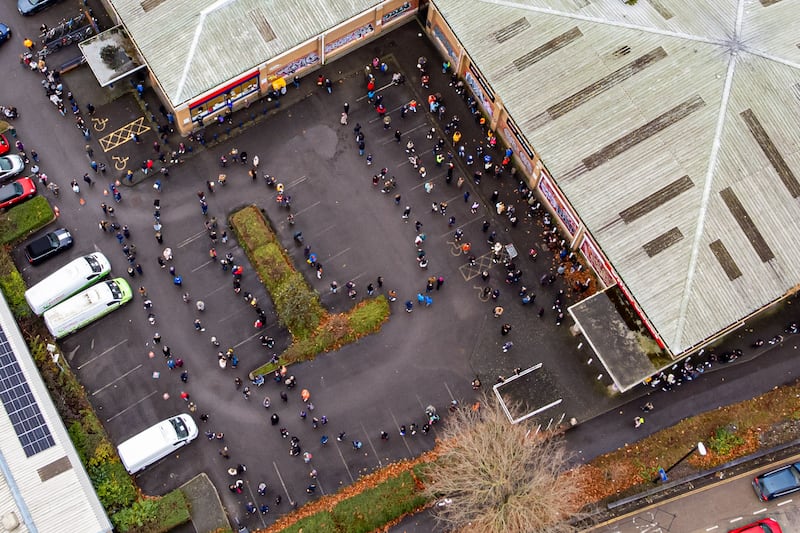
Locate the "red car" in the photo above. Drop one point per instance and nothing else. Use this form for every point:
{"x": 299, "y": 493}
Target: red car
{"x": 4, "y": 147}
{"x": 765, "y": 525}
{"x": 17, "y": 191}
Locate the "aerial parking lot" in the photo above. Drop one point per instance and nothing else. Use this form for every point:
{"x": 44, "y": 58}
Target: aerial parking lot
{"x": 357, "y": 233}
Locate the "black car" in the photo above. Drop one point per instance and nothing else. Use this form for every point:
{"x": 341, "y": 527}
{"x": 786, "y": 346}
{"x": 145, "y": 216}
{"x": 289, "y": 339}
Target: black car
{"x": 48, "y": 245}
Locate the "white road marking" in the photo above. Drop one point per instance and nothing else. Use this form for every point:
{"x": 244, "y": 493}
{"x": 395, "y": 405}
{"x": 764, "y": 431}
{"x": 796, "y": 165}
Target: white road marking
{"x": 130, "y": 406}
{"x": 191, "y": 239}
{"x": 736, "y": 519}
{"x": 712, "y": 528}
{"x": 762, "y": 510}
{"x": 93, "y": 359}
{"x": 280, "y": 478}
{"x": 352, "y": 480}
{"x": 369, "y": 441}
{"x": 104, "y": 387}
{"x": 784, "y": 503}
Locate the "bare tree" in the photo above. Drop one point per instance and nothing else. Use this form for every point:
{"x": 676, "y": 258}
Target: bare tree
{"x": 492, "y": 476}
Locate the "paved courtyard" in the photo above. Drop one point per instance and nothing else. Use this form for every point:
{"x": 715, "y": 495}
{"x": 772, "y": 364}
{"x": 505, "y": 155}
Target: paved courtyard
{"x": 384, "y": 381}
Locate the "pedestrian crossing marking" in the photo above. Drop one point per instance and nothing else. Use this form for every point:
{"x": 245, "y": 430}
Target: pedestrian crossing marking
{"x": 122, "y": 135}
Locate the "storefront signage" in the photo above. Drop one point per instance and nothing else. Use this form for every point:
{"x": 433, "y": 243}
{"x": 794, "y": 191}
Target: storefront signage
{"x": 344, "y": 40}
{"x": 597, "y": 261}
{"x": 298, "y": 64}
{"x": 391, "y": 15}
{"x": 224, "y": 97}
{"x": 477, "y": 90}
{"x": 559, "y": 205}
{"x": 439, "y": 34}
{"x": 512, "y": 142}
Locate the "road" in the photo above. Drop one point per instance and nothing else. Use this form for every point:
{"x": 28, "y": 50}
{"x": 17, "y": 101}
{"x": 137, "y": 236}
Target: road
{"x": 728, "y": 504}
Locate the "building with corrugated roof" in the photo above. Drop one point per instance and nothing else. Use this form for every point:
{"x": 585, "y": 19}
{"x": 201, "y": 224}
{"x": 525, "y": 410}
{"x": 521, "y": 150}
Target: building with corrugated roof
{"x": 663, "y": 135}
{"x": 43, "y": 484}
{"x": 206, "y": 58}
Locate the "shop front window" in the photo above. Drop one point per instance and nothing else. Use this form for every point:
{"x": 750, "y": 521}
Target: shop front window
{"x": 224, "y": 100}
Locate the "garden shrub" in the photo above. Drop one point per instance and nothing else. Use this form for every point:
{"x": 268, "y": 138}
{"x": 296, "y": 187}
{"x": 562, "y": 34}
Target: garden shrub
{"x": 153, "y": 515}
{"x": 13, "y": 286}
{"x": 25, "y": 218}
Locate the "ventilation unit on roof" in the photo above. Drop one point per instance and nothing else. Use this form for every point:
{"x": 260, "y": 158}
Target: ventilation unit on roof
{"x": 622, "y": 51}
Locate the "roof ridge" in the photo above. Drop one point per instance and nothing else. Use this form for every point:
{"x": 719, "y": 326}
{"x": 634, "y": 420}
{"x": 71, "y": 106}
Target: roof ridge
{"x": 677, "y": 345}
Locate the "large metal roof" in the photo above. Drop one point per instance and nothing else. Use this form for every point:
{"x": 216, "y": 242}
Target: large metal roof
{"x": 671, "y": 126}
{"x": 43, "y": 484}
{"x": 193, "y": 46}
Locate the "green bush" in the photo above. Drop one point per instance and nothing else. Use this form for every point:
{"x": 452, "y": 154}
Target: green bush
{"x": 379, "y": 505}
{"x": 111, "y": 481}
{"x": 21, "y": 220}
{"x": 113, "y": 485}
{"x": 296, "y": 303}
{"x": 724, "y": 441}
{"x": 153, "y": 515}
{"x": 13, "y": 286}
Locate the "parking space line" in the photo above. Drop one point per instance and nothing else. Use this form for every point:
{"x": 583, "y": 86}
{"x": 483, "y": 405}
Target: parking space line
{"x": 131, "y": 406}
{"x": 784, "y": 503}
{"x": 338, "y": 449}
{"x": 104, "y": 387}
{"x": 338, "y": 254}
{"x": 712, "y": 528}
{"x": 762, "y": 510}
{"x": 312, "y": 206}
{"x": 93, "y": 359}
{"x": 202, "y": 265}
{"x": 397, "y": 427}
{"x": 280, "y": 478}
{"x": 191, "y": 239}
{"x": 254, "y": 335}
{"x": 220, "y": 288}
{"x": 371, "y": 445}
{"x": 253, "y": 499}
{"x": 296, "y": 182}
{"x": 736, "y": 519}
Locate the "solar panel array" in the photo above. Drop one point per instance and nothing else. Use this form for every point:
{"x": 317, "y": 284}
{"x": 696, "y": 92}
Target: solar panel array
{"x": 20, "y": 404}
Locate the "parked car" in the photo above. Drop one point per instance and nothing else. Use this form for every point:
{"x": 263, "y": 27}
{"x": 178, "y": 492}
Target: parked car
{"x": 4, "y": 146}
{"x": 48, "y": 245}
{"x": 779, "y": 482}
{"x": 29, "y": 7}
{"x": 5, "y": 33}
{"x": 10, "y": 166}
{"x": 16, "y": 192}
{"x": 765, "y": 525}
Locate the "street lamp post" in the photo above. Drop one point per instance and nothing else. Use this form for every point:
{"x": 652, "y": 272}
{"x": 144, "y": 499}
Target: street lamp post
{"x": 662, "y": 474}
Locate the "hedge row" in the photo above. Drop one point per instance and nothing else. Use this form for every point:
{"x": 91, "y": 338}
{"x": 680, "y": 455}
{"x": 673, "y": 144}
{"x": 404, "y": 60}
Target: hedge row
{"x": 297, "y": 304}
{"x": 25, "y": 218}
{"x": 367, "y": 511}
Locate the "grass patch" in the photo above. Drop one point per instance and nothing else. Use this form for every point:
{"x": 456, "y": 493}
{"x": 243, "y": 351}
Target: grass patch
{"x": 374, "y": 502}
{"x": 379, "y": 505}
{"x": 321, "y": 522}
{"x": 25, "y": 218}
{"x": 297, "y": 305}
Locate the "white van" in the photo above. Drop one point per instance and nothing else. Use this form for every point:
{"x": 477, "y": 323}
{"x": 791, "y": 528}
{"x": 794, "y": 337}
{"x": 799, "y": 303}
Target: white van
{"x": 66, "y": 281}
{"x": 156, "y": 442}
{"x": 87, "y": 306}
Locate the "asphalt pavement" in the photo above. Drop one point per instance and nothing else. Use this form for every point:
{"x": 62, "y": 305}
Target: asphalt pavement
{"x": 379, "y": 383}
